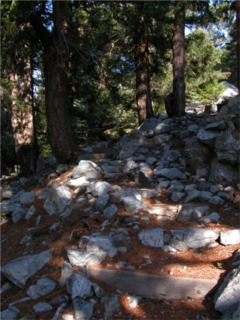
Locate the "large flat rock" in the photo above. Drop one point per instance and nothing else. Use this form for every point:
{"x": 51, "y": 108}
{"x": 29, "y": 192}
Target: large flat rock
{"x": 153, "y": 286}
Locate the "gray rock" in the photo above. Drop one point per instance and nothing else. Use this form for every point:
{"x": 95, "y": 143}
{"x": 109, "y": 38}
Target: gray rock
{"x": 234, "y": 105}
{"x": 99, "y": 188}
{"x": 193, "y": 196}
{"x": 130, "y": 165}
{"x": 190, "y": 187}
{"x": 193, "y": 128}
{"x": 227, "y": 148}
{"x": 30, "y": 212}
{"x": 229, "y": 237}
{"x": 164, "y": 210}
{"x": 236, "y": 259}
{"x": 232, "y": 313}
{"x": 177, "y": 196}
{"x": 205, "y": 196}
{"x": 162, "y": 138}
{"x": 190, "y": 211}
{"x": 61, "y": 168}
{"x": 83, "y": 309}
{"x": 196, "y": 153}
{"x": 142, "y": 178}
{"x": 130, "y": 143}
{"x": 18, "y": 214}
{"x": 59, "y": 311}
{"x": 67, "y": 212}
{"x": 98, "y": 243}
{"x": 216, "y": 125}
{"x": 171, "y": 156}
{"x": 21, "y": 269}
{"x": 81, "y": 257}
{"x": 25, "y": 240}
{"x": 78, "y": 182}
{"x": 207, "y": 137}
{"x": 66, "y": 273}
{"x": 101, "y": 202}
{"x": 151, "y": 160}
{"x": 42, "y": 307}
{"x": 41, "y": 288}
{"x": 213, "y": 217}
{"x": 57, "y": 199}
{"x": 178, "y": 245}
{"x": 201, "y": 172}
{"x": 221, "y": 173}
{"x": 148, "y": 193}
{"x": 68, "y": 317}
{"x": 152, "y": 237}
{"x": 27, "y": 198}
{"x": 142, "y": 150}
{"x": 11, "y": 313}
{"x": 176, "y": 186}
{"x": 112, "y": 305}
{"x": 228, "y": 294}
{"x": 161, "y": 128}
{"x": 87, "y": 169}
{"x": 128, "y": 192}
{"x": 149, "y": 125}
{"x": 195, "y": 237}
{"x": 132, "y": 204}
{"x": 216, "y": 200}
{"x": 230, "y": 92}
{"x": 163, "y": 184}
{"x": 133, "y": 301}
{"x": 204, "y": 185}
{"x": 110, "y": 211}
{"x": 169, "y": 173}
{"x": 80, "y": 286}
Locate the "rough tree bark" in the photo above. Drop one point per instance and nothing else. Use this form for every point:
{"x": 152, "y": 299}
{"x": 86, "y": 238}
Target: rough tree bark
{"x": 143, "y": 78}
{"x": 178, "y": 107}
{"x": 56, "y": 59}
{"x": 22, "y": 118}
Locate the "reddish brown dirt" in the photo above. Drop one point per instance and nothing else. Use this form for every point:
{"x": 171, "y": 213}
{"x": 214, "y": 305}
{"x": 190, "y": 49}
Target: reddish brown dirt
{"x": 210, "y": 263}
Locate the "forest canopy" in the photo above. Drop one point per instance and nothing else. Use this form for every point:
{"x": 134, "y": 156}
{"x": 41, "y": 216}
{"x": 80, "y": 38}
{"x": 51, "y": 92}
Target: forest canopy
{"x": 73, "y": 72}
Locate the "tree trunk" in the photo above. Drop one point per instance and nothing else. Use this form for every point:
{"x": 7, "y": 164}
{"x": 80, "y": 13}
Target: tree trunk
{"x": 143, "y": 78}
{"x": 178, "y": 107}
{"x": 56, "y": 67}
{"x": 22, "y": 118}
{"x": 237, "y": 3}
{"x": 56, "y": 60}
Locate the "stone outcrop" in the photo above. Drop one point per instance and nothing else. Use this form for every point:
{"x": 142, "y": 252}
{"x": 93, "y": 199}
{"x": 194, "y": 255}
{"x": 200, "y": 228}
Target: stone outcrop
{"x": 124, "y": 194}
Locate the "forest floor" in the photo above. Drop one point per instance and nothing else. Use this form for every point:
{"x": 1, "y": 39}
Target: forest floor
{"x": 210, "y": 263}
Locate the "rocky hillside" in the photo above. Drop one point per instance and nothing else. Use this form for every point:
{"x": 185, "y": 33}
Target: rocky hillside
{"x": 146, "y": 228}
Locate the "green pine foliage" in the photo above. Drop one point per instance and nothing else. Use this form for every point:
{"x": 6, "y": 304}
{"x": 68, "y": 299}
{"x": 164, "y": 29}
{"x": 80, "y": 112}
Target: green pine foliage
{"x": 101, "y": 65}
{"x": 202, "y": 71}
{"x": 209, "y": 92}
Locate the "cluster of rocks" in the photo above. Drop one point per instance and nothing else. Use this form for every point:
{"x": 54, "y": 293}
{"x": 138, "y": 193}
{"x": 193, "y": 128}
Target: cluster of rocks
{"x": 196, "y": 174}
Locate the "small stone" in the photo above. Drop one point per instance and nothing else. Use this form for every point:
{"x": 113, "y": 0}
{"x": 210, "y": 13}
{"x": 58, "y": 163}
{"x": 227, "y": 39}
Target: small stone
{"x": 177, "y": 196}
{"x": 27, "y": 198}
{"x": 11, "y": 313}
{"x": 110, "y": 211}
{"x": 152, "y": 237}
{"x": 216, "y": 200}
{"x": 133, "y": 301}
{"x": 229, "y": 237}
{"x": 42, "y": 307}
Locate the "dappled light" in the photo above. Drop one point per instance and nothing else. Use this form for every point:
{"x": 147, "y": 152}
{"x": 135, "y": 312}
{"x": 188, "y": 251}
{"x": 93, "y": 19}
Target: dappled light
{"x": 120, "y": 193}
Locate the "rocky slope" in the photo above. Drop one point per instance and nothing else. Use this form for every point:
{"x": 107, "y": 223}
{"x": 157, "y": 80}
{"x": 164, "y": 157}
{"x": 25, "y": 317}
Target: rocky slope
{"x": 141, "y": 229}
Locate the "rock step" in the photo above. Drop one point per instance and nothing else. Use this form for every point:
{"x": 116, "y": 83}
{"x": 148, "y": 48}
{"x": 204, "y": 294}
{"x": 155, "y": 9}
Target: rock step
{"x": 153, "y": 286}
